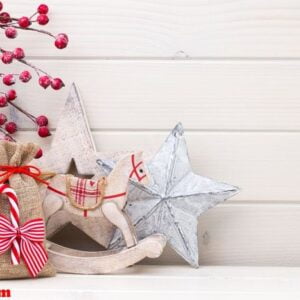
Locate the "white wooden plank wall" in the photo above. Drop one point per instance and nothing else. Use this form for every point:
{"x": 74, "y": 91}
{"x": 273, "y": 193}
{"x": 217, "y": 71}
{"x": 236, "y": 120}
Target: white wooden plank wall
{"x": 229, "y": 70}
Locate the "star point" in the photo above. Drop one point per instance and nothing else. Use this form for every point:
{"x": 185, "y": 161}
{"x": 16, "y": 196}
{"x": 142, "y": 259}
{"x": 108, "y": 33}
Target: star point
{"x": 73, "y": 141}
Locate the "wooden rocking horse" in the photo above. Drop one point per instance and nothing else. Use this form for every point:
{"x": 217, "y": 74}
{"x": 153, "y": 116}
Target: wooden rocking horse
{"x": 96, "y": 207}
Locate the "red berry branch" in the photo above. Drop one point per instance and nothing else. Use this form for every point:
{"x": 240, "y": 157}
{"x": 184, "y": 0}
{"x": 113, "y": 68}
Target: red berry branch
{"x": 11, "y": 26}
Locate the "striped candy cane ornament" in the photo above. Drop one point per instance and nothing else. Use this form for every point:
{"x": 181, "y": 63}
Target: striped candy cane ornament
{"x": 25, "y": 241}
{"x": 15, "y": 220}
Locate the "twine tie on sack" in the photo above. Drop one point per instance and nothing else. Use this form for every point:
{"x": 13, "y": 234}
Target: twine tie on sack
{"x": 28, "y": 170}
{"x": 31, "y": 171}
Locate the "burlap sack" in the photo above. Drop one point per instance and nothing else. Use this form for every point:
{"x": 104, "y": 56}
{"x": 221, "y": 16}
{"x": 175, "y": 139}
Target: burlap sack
{"x": 30, "y": 202}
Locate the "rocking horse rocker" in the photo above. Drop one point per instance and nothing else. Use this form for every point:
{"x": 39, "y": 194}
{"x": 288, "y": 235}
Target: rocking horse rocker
{"x": 96, "y": 207}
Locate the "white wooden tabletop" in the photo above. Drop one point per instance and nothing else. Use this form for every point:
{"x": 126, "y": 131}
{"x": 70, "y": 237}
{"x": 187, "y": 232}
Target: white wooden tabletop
{"x": 166, "y": 282}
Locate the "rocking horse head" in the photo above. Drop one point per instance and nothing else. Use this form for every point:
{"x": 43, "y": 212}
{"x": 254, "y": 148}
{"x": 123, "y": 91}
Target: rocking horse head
{"x": 131, "y": 166}
{"x": 139, "y": 170}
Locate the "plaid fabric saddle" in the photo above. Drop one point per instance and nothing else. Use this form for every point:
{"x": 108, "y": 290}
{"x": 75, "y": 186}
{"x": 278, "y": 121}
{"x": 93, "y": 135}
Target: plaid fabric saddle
{"x": 85, "y": 194}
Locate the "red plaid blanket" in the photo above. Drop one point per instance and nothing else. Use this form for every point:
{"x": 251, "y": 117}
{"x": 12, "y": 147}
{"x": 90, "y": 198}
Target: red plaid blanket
{"x": 85, "y": 193}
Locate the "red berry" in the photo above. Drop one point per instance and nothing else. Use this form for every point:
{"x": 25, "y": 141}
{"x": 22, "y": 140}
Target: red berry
{"x": 42, "y": 121}
{"x": 43, "y": 9}
{"x": 57, "y": 83}
{"x": 7, "y": 57}
{"x": 3, "y": 119}
{"x": 61, "y": 41}
{"x": 19, "y": 53}
{"x": 11, "y": 95}
{"x": 24, "y": 22}
{"x": 11, "y": 127}
{"x": 11, "y": 32}
{"x": 25, "y": 76}
{"x": 3, "y": 101}
{"x": 42, "y": 19}
{"x": 9, "y": 79}
{"x": 39, "y": 154}
{"x": 4, "y": 18}
{"x": 43, "y": 131}
{"x": 44, "y": 81}
{"x": 1, "y": 5}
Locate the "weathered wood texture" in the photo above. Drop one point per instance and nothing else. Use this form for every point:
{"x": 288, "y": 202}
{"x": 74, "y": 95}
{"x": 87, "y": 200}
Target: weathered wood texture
{"x": 253, "y": 235}
{"x": 210, "y": 95}
{"x": 181, "y": 28}
{"x": 265, "y": 165}
{"x": 67, "y": 260}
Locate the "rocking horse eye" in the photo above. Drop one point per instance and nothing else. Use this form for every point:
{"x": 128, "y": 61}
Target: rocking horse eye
{"x": 141, "y": 170}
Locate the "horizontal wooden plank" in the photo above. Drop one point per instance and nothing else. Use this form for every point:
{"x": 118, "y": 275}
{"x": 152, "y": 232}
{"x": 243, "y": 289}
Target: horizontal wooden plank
{"x": 231, "y": 234}
{"x": 252, "y": 235}
{"x": 182, "y": 28}
{"x": 208, "y": 95}
{"x": 176, "y": 282}
{"x": 266, "y": 166}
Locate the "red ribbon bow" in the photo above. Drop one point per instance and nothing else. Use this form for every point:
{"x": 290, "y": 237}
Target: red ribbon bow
{"x": 30, "y": 238}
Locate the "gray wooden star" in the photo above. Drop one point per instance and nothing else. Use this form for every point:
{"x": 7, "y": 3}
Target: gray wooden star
{"x": 171, "y": 204}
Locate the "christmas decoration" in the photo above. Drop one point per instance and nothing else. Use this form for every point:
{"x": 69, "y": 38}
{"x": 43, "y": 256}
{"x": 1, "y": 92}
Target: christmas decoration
{"x": 72, "y": 140}
{"x": 24, "y": 241}
{"x": 11, "y": 26}
{"x": 26, "y": 214}
{"x": 85, "y": 197}
{"x": 171, "y": 204}
{"x": 93, "y": 206}
{"x": 68, "y": 260}
{"x": 168, "y": 207}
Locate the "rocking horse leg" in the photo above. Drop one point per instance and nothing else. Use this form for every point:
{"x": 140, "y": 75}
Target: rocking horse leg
{"x": 51, "y": 205}
{"x": 116, "y": 216}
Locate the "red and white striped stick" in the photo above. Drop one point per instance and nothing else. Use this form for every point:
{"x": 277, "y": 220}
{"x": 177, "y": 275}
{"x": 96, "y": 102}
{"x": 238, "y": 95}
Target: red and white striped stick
{"x": 25, "y": 241}
{"x": 15, "y": 220}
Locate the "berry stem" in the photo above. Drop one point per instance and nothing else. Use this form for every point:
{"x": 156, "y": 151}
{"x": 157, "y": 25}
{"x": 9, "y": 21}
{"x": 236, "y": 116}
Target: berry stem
{"x": 33, "y": 15}
{"x": 15, "y": 74}
{"x": 11, "y": 25}
{"x": 28, "y": 115}
{"x": 7, "y": 134}
{"x": 38, "y": 70}
{"x": 25, "y": 62}
{"x": 28, "y": 28}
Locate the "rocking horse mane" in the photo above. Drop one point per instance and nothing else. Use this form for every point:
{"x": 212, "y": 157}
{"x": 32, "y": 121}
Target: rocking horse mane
{"x": 123, "y": 165}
